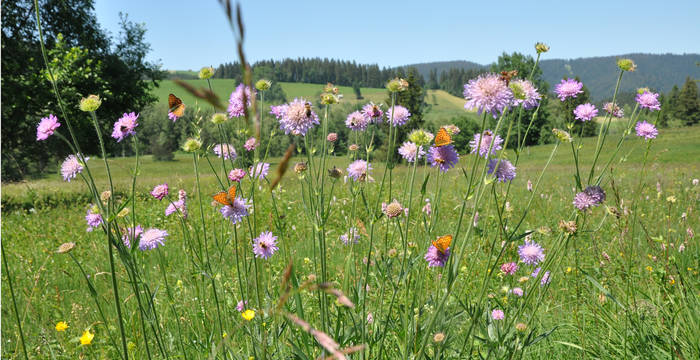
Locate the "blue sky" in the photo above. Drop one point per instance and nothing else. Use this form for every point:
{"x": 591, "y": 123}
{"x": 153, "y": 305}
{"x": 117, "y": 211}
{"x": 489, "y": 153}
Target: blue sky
{"x": 192, "y": 34}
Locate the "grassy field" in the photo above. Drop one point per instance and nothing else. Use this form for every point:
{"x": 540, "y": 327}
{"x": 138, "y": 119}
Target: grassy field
{"x": 616, "y": 290}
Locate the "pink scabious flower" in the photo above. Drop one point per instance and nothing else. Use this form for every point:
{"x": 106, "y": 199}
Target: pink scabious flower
{"x": 265, "y": 245}
{"x": 130, "y": 234}
{"x": 296, "y": 117}
{"x": 517, "y": 291}
{"x": 545, "y": 279}
{"x": 411, "y": 152}
{"x": 179, "y": 206}
{"x": 503, "y": 170}
{"x": 251, "y": 144}
{"x": 352, "y": 236}
{"x": 509, "y": 268}
{"x": 613, "y": 110}
{"x": 373, "y": 113}
{"x": 152, "y": 238}
{"x": 392, "y": 209}
{"x": 435, "y": 257}
{"x": 227, "y": 151}
{"x": 236, "y": 107}
{"x": 591, "y": 196}
{"x": 236, "y": 211}
{"x": 93, "y": 218}
{"x": 487, "y": 93}
{"x": 531, "y": 253}
{"x": 356, "y": 121}
{"x": 444, "y": 157}
{"x": 125, "y": 126}
{"x": 358, "y": 170}
{"x": 397, "y": 116}
{"x": 160, "y": 191}
{"x": 497, "y": 314}
{"x": 427, "y": 209}
{"x": 482, "y": 142}
{"x": 585, "y": 112}
{"x": 568, "y": 88}
{"x": 46, "y": 127}
{"x": 646, "y": 130}
{"x": 648, "y": 100}
{"x": 259, "y": 171}
{"x": 71, "y": 167}
{"x": 332, "y": 137}
{"x": 241, "y": 305}
{"x": 236, "y": 175}
{"x": 172, "y": 116}
{"x": 532, "y": 97}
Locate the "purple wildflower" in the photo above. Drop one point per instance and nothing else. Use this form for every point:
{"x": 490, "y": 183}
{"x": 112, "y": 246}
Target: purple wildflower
{"x": 532, "y": 97}
{"x": 545, "y": 279}
{"x": 648, "y": 100}
{"x": 236, "y": 175}
{"x": 251, "y": 144}
{"x": 398, "y": 116}
{"x": 296, "y": 117}
{"x": 152, "y": 238}
{"x": 497, "y": 314}
{"x": 509, "y": 268}
{"x": 613, "y": 109}
{"x": 435, "y": 257}
{"x": 237, "y": 211}
{"x": 585, "y": 112}
{"x": 591, "y": 196}
{"x": 172, "y": 116}
{"x": 71, "y": 167}
{"x": 411, "y": 152}
{"x": 352, "y": 236}
{"x": 332, "y": 137}
{"x": 358, "y": 170}
{"x": 372, "y": 113}
{"x": 445, "y": 157}
{"x": 236, "y": 108}
{"x": 356, "y": 121}
{"x": 225, "y": 150}
{"x": 487, "y": 93}
{"x": 517, "y": 291}
{"x": 46, "y": 127}
{"x": 646, "y": 130}
{"x": 241, "y": 305}
{"x": 568, "y": 88}
{"x": 160, "y": 191}
{"x": 505, "y": 170}
{"x": 125, "y": 126}
{"x": 265, "y": 245}
{"x": 482, "y": 142}
{"x": 259, "y": 171}
{"x": 178, "y": 206}
{"x": 93, "y": 218}
{"x": 531, "y": 253}
{"x": 130, "y": 234}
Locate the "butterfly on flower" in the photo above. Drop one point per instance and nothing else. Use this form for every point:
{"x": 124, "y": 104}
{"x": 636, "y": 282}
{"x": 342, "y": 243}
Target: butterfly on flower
{"x": 443, "y": 243}
{"x": 443, "y": 138}
{"x": 226, "y": 197}
{"x": 507, "y": 75}
{"x": 175, "y": 105}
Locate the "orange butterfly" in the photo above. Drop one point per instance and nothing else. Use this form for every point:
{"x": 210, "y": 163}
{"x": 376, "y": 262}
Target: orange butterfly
{"x": 443, "y": 243}
{"x": 443, "y": 138}
{"x": 226, "y": 197}
{"x": 176, "y": 105}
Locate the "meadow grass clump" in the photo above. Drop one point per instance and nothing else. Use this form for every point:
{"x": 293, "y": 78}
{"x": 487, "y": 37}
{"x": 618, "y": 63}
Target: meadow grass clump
{"x": 420, "y": 252}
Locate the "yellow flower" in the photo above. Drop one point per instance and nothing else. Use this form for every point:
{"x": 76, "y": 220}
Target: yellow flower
{"x": 523, "y": 279}
{"x": 248, "y": 314}
{"x": 671, "y": 199}
{"x": 671, "y": 281}
{"x": 61, "y": 326}
{"x": 224, "y": 335}
{"x": 86, "y": 339}
{"x": 568, "y": 269}
{"x": 649, "y": 268}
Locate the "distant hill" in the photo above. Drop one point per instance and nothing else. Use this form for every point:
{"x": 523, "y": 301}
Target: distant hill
{"x": 656, "y": 71}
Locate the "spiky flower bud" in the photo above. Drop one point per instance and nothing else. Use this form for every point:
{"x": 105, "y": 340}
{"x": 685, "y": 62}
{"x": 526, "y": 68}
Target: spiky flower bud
{"x": 206, "y": 72}
{"x": 393, "y": 209}
{"x": 397, "y": 85}
{"x": 219, "y": 118}
{"x": 568, "y": 227}
{"x": 562, "y": 135}
{"x": 192, "y": 145}
{"x": 353, "y": 147}
{"x": 517, "y": 89}
{"x": 420, "y": 137}
{"x": 90, "y": 103}
{"x": 66, "y": 247}
{"x": 541, "y": 48}
{"x": 300, "y": 167}
{"x": 263, "y": 84}
{"x": 626, "y": 64}
{"x": 335, "y": 172}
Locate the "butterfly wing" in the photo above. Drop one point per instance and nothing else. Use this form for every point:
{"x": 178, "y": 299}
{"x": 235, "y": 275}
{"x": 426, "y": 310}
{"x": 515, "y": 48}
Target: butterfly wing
{"x": 442, "y": 138}
{"x": 176, "y": 105}
{"x": 222, "y": 198}
{"x": 443, "y": 243}
{"x": 231, "y": 194}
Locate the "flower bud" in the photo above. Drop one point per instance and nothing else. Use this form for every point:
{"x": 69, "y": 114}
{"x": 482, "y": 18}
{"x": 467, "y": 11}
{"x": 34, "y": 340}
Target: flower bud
{"x": 206, "y": 72}
{"x": 335, "y": 172}
{"x": 66, "y": 247}
{"x": 397, "y": 85}
{"x": 263, "y": 84}
{"x": 219, "y": 118}
{"x": 332, "y": 137}
{"x": 626, "y": 64}
{"x": 300, "y": 167}
{"x": 90, "y": 103}
{"x": 541, "y": 48}
{"x": 420, "y": 137}
{"x": 192, "y": 145}
{"x": 562, "y": 135}
{"x": 517, "y": 90}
